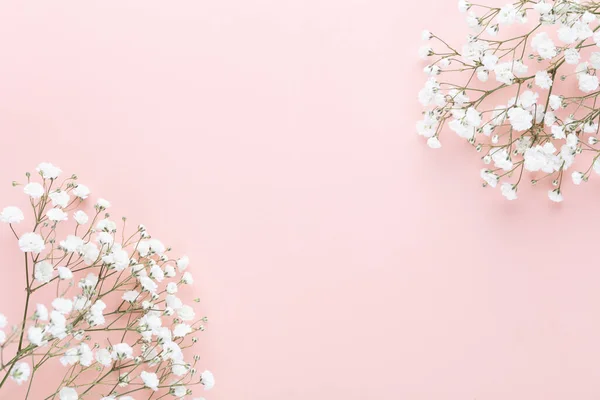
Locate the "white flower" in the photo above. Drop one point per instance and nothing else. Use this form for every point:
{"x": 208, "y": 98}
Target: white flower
{"x": 171, "y": 288}
{"x": 150, "y": 380}
{"x": 56, "y": 214}
{"x": 41, "y": 312}
{"x": 555, "y": 195}
{"x": 595, "y": 60}
{"x": 71, "y": 244}
{"x": 463, "y": 6}
{"x": 20, "y": 372}
{"x": 11, "y": 215}
{"x": 509, "y": 191}
{"x": 43, "y": 271}
{"x": 57, "y": 327}
{"x": 425, "y": 51}
{"x": 62, "y": 305}
{"x": 567, "y": 35}
{"x": 555, "y": 102}
{"x": 107, "y": 225}
{"x": 430, "y": 94}
{"x": 148, "y": 284}
{"x": 102, "y": 204}
{"x": 48, "y": 171}
{"x": 186, "y": 313}
{"x": 542, "y": 7}
{"x": 181, "y": 330}
{"x": 587, "y": 83}
{"x": 90, "y": 253}
{"x": 130, "y": 296}
{"x": 528, "y": 98}
{"x": 121, "y": 351}
{"x": 59, "y": 198}
{"x": 3, "y": 321}
{"x": 558, "y": 132}
{"x": 572, "y": 56}
{"x": 183, "y": 263}
{"x": 542, "y": 158}
{"x": 187, "y": 278}
{"x": 426, "y": 35}
{"x": 34, "y": 190}
{"x": 577, "y": 177}
{"x": 31, "y": 243}
{"x": 507, "y": 14}
{"x": 64, "y": 273}
{"x": 104, "y": 238}
{"x": 501, "y": 159}
{"x": 116, "y": 258}
{"x": 175, "y": 303}
{"x": 179, "y": 391}
{"x": 543, "y": 79}
{"x": 147, "y": 247}
{"x": 103, "y": 357}
{"x": 170, "y": 271}
{"x": 490, "y": 177}
{"x": 35, "y": 336}
{"x": 434, "y": 143}
{"x": 68, "y": 393}
{"x": 157, "y": 273}
{"x": 81, "y": 191}
{"x": 543, "y": 45}
{"x": 81, "y": 217}
{"x": 208, "y": 380}
{"x": 520, "y": 119}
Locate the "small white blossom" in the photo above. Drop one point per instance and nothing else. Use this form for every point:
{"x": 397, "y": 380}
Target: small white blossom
{"x": 150, "y": 380}
{"x": 59, "y": 198}
{"x": 48, "y": 171}
{"x": 43, "y": 271}
{"x": 34, "y": 190}
{"x": 56, "y": 214}
{"x": 555, "y": 195}
{"x": 81, "y": 191}
{"x": 11, "y": 215}
{"x": 68, "y": 393}
{"x": 31, "y": 243}
{"x": 81, "y": 217}
{"x": 20, "y": 372}
{"x": 208, "y": 380}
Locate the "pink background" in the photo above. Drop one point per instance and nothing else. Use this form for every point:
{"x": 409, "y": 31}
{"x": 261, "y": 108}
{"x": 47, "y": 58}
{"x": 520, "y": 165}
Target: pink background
{"x": 273, "y": 141}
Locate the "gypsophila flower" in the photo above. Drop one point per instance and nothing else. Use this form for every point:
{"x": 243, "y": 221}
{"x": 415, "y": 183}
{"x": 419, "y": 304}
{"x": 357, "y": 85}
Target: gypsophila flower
{"x": 102, "y": 204}
{"x": 68, "y": 393}
{"x": 543, "y": 79}
{"x": 59, "y": 198}
{"x": 150, "y": 380}
{"x": 208, "y": 380}
{"x": 11, "y": 215}
{"x": 43, "y": 271}
{"x": 81, "y": 191}
{"x": 31, "y": 243}
{"x": 48, "y": 171}
{"x": 20, "y": 372}
{"x": 56, "y": 214}
{"x": 34, "y": 190}
{"x": 81, "y": 217}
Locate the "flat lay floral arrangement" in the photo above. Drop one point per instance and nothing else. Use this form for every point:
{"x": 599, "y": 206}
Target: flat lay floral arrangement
{"x": 522, "y": 90}
{"x": 115, "y": 327}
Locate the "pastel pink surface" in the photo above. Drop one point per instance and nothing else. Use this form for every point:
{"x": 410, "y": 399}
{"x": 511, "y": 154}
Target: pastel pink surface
{"x": 336, "y": 256}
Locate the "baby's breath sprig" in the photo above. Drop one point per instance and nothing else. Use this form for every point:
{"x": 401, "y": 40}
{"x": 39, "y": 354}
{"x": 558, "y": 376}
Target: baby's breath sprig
{"x": 116, "y": 324}
{"x": 543, "y": 122}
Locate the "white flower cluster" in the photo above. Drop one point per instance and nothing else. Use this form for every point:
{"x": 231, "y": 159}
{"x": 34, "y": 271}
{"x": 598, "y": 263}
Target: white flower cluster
{"x": 527, "y": 102}
{"x": 116, "y": 309}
